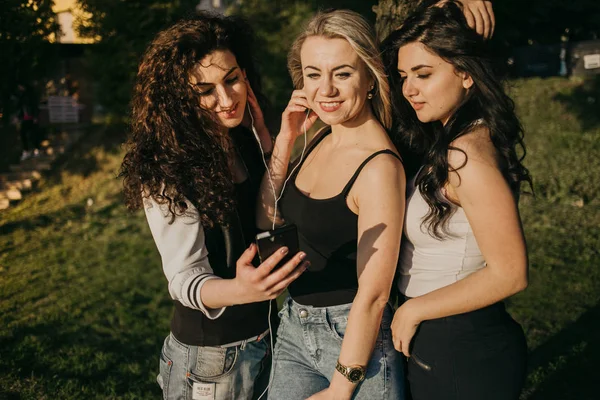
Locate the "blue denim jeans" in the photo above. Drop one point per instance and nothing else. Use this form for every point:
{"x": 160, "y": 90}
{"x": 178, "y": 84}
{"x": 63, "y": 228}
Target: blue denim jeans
{"x": 190, "y": 372}
{"x": 308, "y": 344}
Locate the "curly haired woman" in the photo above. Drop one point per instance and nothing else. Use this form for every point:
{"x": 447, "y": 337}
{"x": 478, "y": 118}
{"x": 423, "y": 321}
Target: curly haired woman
{"x": 195, "y": 169}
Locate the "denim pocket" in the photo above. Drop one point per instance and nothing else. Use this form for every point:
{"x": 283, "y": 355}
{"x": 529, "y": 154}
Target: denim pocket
{"x": 337, "y": 326}
{"x": 214, "y": 363}
{"x": 284, "y": 308}
{"x": 164, "y": 374}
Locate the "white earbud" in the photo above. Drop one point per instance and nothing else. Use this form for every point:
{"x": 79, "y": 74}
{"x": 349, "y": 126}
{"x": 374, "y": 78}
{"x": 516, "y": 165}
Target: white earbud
{"x": 254, "y": 129}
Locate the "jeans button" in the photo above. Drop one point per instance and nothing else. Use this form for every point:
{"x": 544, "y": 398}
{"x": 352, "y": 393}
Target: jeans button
{"x": 303, "y": 313}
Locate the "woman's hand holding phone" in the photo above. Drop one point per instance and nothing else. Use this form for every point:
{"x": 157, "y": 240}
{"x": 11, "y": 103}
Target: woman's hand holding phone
{"x": 294, "y": 116}
{"x": 262, "y": 283}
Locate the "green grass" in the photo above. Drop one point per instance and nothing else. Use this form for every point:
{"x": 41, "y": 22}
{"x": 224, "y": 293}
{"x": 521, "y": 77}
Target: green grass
{"x": 84, "y": 306}
{"x": 560, "y": 311}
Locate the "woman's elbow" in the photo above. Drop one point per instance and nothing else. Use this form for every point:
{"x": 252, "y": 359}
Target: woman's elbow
{"x": 510, "y": 277}
{"x": 374, "y": 301}
{"x": 518, "y": 282}
{"x": 521, "y": 283}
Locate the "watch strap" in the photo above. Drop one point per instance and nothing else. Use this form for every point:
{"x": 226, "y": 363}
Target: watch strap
{"x": 349, "y": 370}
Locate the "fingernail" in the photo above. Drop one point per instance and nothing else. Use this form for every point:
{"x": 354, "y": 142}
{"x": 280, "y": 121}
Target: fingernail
{"x": 284, "y": 250}
{"x": 306, "y": 265}
{"x": 302, "y": 256}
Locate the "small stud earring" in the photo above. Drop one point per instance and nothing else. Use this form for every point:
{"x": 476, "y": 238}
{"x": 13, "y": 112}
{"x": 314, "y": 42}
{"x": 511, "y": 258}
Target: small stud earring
{"x": 370, "y": 96}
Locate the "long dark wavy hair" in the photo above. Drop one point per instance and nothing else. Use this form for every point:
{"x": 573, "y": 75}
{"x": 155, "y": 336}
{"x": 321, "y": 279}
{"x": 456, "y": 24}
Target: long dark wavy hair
{"x": 445, "y": 32}
{"x": 177, "y": 150}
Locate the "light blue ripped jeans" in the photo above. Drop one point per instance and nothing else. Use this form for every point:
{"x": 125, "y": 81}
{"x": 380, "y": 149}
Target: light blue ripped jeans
{"x": 236, "y": 372}
{"x": 309, "y": 340}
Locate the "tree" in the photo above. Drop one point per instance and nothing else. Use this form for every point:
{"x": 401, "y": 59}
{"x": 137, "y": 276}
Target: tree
{"x": 390, "y": 14}
{"x": 363, "y": 7}
{"x": 27, "y": 55}
{"x": 123, "y": 30}
{"x": 276, "y": 24}
{"x": 518, "y": 22}
{"x": 546, "y": 21}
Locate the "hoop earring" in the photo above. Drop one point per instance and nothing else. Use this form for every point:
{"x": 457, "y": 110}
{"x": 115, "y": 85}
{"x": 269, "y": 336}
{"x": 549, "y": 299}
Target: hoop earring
{"x": 370, "y": 96}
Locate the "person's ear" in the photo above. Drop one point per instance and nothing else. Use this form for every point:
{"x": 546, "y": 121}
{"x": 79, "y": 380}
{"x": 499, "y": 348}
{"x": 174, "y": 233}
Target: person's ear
{"x": 244, "y": 72}
{"x": 467, "y": 80}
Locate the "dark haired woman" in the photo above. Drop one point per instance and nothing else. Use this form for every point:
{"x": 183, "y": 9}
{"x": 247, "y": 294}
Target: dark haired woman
{"x": 196, "y": 171}
{"x": 464, "y": 250}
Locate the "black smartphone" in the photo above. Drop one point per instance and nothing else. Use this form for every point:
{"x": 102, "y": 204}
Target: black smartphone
{"x": 270, "y": 241}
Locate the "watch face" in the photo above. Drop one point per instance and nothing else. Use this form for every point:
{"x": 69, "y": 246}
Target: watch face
{"x": 355, "y": 375}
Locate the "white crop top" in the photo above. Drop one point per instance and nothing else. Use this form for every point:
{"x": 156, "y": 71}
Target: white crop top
{"x": 427, "y": 263}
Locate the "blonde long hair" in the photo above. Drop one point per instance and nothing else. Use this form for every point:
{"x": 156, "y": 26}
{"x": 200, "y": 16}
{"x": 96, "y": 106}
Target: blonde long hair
{"x": 346, "y": 24}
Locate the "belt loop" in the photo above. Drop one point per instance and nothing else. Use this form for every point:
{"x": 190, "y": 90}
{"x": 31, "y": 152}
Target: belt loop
{"x": 243, "y": 345}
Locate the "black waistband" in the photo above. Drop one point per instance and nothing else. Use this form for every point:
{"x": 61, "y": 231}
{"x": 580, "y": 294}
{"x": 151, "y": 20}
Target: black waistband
{"x": 326, "y": 299}
{"x": 240, "y": 322}
{"x": 491, "y": 314}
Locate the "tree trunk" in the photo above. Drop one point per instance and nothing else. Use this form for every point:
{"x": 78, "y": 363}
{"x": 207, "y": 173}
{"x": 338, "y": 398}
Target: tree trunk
{"x": 391, "y": 14}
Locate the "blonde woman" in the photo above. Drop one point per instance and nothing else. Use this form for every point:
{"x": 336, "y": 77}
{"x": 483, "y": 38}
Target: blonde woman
{"x": 346, "y": 197}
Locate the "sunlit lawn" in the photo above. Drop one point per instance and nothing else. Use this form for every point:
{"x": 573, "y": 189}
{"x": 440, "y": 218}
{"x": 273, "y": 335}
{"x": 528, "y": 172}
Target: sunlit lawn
{"x": 84, "y": 306}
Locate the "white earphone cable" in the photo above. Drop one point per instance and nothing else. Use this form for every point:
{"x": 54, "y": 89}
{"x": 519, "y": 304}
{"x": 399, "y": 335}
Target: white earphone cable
{"x": 276, "y": 201}
{"x": 275, "y": 197}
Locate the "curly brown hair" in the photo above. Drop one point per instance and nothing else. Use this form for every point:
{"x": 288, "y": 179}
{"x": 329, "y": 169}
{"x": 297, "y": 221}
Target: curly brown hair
{"x": 177, "y": 150}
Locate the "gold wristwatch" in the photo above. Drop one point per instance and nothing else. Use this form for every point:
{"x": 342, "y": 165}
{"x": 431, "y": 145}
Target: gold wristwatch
{"x": 354, "y": 373}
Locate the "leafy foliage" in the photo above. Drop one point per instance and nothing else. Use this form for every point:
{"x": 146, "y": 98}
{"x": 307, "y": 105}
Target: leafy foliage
{"x": 27, "y": 55}
{"x": 518, "y": 22}
{"x": 124, "y": 29}
{"x": 276, "y": 25}
{"x": 545, "y": 21}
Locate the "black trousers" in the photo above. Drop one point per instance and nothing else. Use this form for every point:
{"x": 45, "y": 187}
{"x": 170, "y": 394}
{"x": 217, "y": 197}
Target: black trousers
{"x": 480, "y": 355}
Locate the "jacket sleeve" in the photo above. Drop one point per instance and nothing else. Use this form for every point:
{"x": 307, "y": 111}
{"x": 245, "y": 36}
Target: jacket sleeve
{"x": 183, "y": 252}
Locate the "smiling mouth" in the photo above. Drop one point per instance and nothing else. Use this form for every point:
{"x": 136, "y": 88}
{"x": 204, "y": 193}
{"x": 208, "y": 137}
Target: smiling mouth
{"x": 330, "y": 106}
{"x": 229, "y": 113}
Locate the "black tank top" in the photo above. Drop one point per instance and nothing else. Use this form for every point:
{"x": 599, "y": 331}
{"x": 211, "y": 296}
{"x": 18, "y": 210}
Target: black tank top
{"x": 327, "y": 232}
